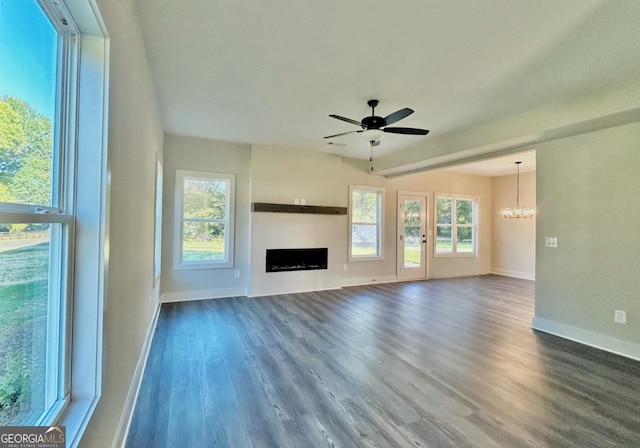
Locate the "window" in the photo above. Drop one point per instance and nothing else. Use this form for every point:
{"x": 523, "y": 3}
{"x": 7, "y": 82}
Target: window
{"x": 455, "y": 225}
{"x": 365, "y": 237}
{"x": 204, "y": 220}
{"x": 53, "y": 212}
{"x": 36, "y": 213}
{"x": 157, "y": 245}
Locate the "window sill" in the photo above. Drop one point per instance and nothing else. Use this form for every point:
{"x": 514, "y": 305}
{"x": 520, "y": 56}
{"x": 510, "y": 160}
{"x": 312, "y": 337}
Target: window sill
{"x": 462, "y": 255}
{"x": 371, "y": 258}
{"x": 76, "y": 418}
{"x": 195, "y": 266}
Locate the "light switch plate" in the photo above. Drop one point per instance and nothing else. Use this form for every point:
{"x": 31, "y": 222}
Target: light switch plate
{"x": 620, "y": 317}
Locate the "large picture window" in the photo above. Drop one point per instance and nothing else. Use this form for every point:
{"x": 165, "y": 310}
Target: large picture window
{"x": 36, "y": 206}
{"x": 204, "y": 220}
{"x": 455, "y": 225}
{"x": 365, "y": 216}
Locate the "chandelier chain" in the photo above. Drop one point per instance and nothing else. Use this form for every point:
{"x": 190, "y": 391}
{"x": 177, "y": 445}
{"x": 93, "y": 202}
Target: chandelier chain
{"x": 517, "y": 212}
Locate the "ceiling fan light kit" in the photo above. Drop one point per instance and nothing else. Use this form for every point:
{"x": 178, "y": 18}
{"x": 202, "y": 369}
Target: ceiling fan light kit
{"x": 372, "y": 135}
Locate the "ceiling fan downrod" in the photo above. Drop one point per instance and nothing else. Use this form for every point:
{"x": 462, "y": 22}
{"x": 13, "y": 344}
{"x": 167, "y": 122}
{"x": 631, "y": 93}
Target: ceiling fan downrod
{"x": 372, "y": 104}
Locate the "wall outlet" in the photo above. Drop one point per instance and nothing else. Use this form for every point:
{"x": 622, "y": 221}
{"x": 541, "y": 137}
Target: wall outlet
{"x": 236, "y": 273}
{"x": 296, "y": 201}
{"x": 550, "y": 241}
{"x": 344, "y": 267}
{"x": 620, "y": 317}
{"x": 303, "y": 202}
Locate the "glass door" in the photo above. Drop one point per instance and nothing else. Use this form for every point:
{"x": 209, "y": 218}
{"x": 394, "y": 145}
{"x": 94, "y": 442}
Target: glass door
{"x": 412, "y": 236}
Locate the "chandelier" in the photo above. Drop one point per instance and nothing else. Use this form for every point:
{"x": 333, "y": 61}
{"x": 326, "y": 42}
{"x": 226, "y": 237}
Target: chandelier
{"x": 517, "y": 211}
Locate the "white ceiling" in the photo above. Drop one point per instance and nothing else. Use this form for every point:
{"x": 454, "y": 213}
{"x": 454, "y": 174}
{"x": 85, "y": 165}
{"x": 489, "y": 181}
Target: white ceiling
{"x": 271, "y": 72}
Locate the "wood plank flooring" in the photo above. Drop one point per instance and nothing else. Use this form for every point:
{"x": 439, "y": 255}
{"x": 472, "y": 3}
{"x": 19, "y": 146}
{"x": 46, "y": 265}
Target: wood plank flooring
{"x": 438, "y": 363}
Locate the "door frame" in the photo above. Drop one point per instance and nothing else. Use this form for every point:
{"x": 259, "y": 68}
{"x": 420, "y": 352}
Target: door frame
{"x": 400, "y": 230}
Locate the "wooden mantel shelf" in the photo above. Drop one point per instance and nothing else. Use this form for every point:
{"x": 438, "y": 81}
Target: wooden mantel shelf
{"x": 286, "y": 208}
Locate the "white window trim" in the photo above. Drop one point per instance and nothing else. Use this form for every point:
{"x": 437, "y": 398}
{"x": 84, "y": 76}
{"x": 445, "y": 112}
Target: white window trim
{"x": 178, "y": 262}
{"x": 381, "y": 192}
{"x": 157, "y": 228}
{"x": 476, "y": 227}
{"x": 91, "y": 267}
{"x": 84, "y": 89}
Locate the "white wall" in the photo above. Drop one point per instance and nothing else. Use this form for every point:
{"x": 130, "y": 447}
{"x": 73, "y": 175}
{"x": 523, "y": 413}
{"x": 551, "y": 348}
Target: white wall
{"x": 356, "y": 173}
{"x": 135, "y": 140}
{"x": 587, "y": 192}
{"x": 457, "y": 184}
{"x": 280, "y": 175}
{"x": 187, "y": 153}
{"x": 514, "y": 240}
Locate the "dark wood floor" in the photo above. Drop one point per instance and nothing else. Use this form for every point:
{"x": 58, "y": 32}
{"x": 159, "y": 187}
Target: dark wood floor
{"x": 441, "y": 363}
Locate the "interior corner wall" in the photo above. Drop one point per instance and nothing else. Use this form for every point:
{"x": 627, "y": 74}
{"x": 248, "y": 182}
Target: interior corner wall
{"x": 282, "y": 175}
{"x": 513, "y": 251}
{"x": 134, "y": 143}
{"x": 196, "y": 154}
{"x": 356, "y": 173}
{"x": 587, "y": 195}
{"x": 448, "y": 182}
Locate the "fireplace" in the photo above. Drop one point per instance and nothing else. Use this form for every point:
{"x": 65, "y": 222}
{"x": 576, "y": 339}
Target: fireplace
{"x": 279, "y": 260}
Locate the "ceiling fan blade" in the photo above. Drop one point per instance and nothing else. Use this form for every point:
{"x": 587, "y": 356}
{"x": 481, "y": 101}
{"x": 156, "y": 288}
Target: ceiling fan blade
{"x": 348, "y": 120}
{"x": 411, "y": 131}
{"x": 397, "y": 116}
{"x": 343, "y": 133}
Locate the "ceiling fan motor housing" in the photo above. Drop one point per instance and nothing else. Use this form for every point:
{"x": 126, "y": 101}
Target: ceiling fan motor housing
{"x": 373, "y": 122}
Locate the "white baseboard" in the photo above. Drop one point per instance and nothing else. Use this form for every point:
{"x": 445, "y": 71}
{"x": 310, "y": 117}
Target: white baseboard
{"x": 203, "y": 294}
{"x": 444, "y": 277}
{"x": 296, "y": 291}
{"x": 586, "y": 337}
{"x": 357, "y": 281}
{"x": 134, "y": 388}
{"x": 515, "y": 274}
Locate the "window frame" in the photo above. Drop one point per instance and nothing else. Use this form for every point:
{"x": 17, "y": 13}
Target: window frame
{"x": 380, "y": 192}
{"x": 86, "y": 120}
{"x": 178, "y": 262}
{"x": 157, "y": 228}
{"x": 475, "y": 204}
{"x": 84, "y": 207}
{"x": 60, "y": 215}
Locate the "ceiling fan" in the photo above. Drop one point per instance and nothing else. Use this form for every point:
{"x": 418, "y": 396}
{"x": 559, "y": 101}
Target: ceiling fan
{"x": 374, "y": 127}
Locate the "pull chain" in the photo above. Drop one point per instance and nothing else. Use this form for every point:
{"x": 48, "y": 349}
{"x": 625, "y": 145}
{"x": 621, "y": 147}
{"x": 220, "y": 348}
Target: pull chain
{"x": 371, "y": 156}
{"x": 518, "y": 185}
